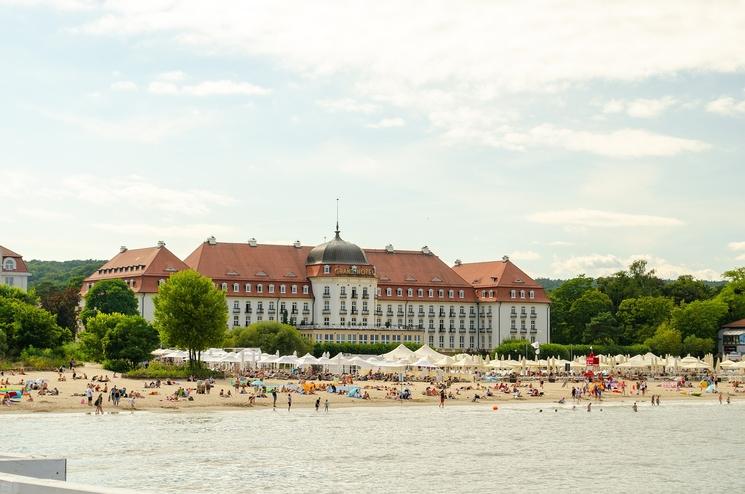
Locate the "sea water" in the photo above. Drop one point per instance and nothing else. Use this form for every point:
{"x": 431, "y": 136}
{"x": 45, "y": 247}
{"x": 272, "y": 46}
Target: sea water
{"x": 677, "y": 447}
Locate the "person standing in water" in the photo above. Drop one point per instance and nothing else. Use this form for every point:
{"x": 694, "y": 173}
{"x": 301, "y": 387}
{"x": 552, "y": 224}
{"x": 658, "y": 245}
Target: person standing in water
{"x": 274, "y": 399}
{"x": 635, "y": 407}
{"x": 289, "y": 401}
{"x": 326, "y": 405}
{"x": 318, "y": 403}
{"x": 442, "y": 398}
{"x": 99, "y": 402}
{"x": 589, "y": 407}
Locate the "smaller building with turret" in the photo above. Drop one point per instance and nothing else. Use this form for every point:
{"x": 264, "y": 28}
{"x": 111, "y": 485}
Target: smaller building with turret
{"x": 13, "y": 270}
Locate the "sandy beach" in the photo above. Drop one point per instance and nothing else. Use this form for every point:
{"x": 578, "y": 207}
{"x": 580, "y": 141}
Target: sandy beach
{"x": 71, "y": 394}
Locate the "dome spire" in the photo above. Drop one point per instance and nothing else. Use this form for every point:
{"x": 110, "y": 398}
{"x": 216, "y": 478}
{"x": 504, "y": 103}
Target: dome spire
{"x": 337, "y": 219}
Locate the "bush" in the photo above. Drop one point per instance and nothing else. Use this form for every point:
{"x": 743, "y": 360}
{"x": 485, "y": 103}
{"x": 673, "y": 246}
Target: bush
{"x": 117, "y": 365}
{"x": 43, "y": 359}
{"x": 157, "y": 370}
{"x": 359, "y": 348}
{"x": 270, "y": 336}
{"x": 522, "y": 348}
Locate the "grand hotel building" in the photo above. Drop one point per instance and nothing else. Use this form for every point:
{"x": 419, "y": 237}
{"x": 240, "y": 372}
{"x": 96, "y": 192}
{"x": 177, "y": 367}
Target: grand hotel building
{"x": 340, "y": 292}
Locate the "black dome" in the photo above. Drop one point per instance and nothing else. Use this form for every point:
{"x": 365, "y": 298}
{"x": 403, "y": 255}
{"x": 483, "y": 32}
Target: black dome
{"x": 337, "y": 251}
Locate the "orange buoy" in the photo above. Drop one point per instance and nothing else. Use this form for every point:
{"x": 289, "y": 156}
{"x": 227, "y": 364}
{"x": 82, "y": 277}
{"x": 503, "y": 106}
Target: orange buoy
{"x": 495, "y": 407}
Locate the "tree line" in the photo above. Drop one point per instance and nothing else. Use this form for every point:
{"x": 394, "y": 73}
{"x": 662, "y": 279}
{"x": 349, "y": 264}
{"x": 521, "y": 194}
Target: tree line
{"x": 635, "y": 306}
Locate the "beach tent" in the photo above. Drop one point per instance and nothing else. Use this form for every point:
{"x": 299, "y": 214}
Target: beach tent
{"x": 399, "y": 353}
{"x": 307, "y": 359}
{"x": 289, "y": 359}
{"x": 424, "y": 362}
{"x": 427, "y": 352}
{"x": 726, "y": 364}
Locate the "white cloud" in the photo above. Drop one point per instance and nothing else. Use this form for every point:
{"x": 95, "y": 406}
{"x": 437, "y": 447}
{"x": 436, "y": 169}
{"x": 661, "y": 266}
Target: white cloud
{"x": 387, "y": 123}
{"x": 741, "y": 257}
{"x": 347, "y": 105}
{"x": 123, "y": 86}
{"x": 189, "y": 231}
{"x": 607, "y": 264}
{"x": 208, "y": 88}
{"x": 559, "y": 243}
{"x": 624, "y": 143}
{"x": 171, "y": 76}
{"x": 736, "y": 246}
{"x": 726, "y": 106}
{"x": 147, "y": 129}
{"x": 600, "y": 219}
{"x": 439, "y": 61}
{"x": 640, "y": 108}
{"x": 524, "y": 255}
{"x": 137, "y": 193}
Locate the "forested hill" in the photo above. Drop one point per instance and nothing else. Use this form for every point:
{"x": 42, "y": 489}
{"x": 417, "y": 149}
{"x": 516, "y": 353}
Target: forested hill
{"x": 61, "y": 273}
{"x": 550, "y": 284}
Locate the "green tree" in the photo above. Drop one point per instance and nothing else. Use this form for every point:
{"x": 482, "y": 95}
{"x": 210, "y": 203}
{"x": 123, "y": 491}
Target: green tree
{"x": 62, "y": 302}
{"x": 601, "y": 329}
{"x": 701, "y": 318}
{"x": 27, "y": 325}
{"x": 733, "y": 294}
{"x": 108, "y": 297}
{"x": 10, "y": 292}
{"x": 699, "y": 347}
{"x": 271, "y": 336}
{"x": 131, "y": 339}
{"x": 96, "y": 329}
{"x": 666, "y": 340}
{"x": 640, "y": 317}
{"x": 686, "y": 289}
{"x": 562, "y": 299}
{"x": 590, "y": 304}
{"x": 636, "y": 282}
{"x": 191, "y": 313}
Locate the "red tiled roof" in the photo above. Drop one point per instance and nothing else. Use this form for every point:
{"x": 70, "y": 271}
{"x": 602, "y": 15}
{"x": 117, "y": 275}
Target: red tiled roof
{"x": 413, "y": 268}
{"x": 735, "y": 324}
{"x": 20, "y": 263}
{"x": 226, "y": 261}
{"x": 146, "y": 265}
{"x": 499, "y": 275}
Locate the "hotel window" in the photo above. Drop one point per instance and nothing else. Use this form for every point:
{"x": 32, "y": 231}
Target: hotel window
{"x": 282, "y": 289}
{"x": 236, "y": 287}
{"x": 325, "y": 321}
{"x": 431, "y": 293}
{"x": 532, "y": 325}
{"x": 410, "y": 292}
{"x": 293, "y": 289}
{"x": 271, "y": 288}
{"x": 160, "y": 282}
{"x": 224, "y": 287}
{"x": 452, "y": 341}
{"x": 326, "y": 269}
{"x": 441, "y": 293}
{"x": 326, "y": 305}
{"x": 271, "y": 305}
{"x": 420, "y": 293}
{"x": 462, "y": 341}
{"x": 259, "y": 288}
{"x": 462, "y": 324}
{"x": 491, "y": 293}
{"x": 343, "y": 320}
{"x": 483, "y": 293}
{"x": 451, "y": 293}
{"x": 248, "y": 320}
{"x": 305, "y": 290}
{"x": 326, "y": 291}
{"x": 513, "y": 294}
{"x": 461, "y": 294}
{"x": 235, "y": 305}
{"x": 513, "y": 324}
{"x": 522, "y": 325}
{"x": 235, "y": 321}
{"x": 522, "y": 293}
{"x": 531, "y": 294}
{"x": 305, "y": 306}
{"x": 343, "y": 291}
{"x": 248, "y": 306}
{"x": 399, "y": 292}
{"x": 442, "y": 341}
{"x": 471, "y": 325}
{"x": 388, "y": 292}
{"x": 248, "y": 287}
{"x": 10, "y": 264}
{"x": 431, "y": 324}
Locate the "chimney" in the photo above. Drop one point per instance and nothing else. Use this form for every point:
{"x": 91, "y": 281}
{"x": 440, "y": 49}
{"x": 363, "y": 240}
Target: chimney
{"x": 161, "y": 244}
{"x": 296, "y": 244}
{"x": 426, "y": 251}
{"x": 123, "y": 248}
{"x": 389, "y": 248}
{"x": 252, "y": 242}
{"x": 458, "y": 262}
{"x": 505, "y": 258}
{"x": 212, "y": 240}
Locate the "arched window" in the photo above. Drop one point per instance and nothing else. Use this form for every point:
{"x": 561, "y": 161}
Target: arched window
{"x": 9, "y": 264}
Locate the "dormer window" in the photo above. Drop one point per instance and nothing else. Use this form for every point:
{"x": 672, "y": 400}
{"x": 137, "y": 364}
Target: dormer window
{"x": 271, "y": 288}
{"x": 461, "y": 294}
{"x": 260, "y": 288}
{"x": 410, "y": 292}
{"x": 388, "y": 292}
{"x": 513, "y": 294}
{"x": 399, "y": 292}
{"x": 531, "y": 294}
{"x": 282, "y": 289}
{"x": 326, "y": 269}
{"x": 431, "y": 293}
{"x": 522, "y": 293}
{"x": 224, "y": 287}
{"x": 248, "y": 287}
{"x": 451, "y": 293}
{"x": 236, "y": 287}
{"x": 305, "y": 289}
{"x": 293, "y": 289}
{"x": 354, "y": 269}
{"x": 441, "y": 293}
{"x": 9, "y": 264}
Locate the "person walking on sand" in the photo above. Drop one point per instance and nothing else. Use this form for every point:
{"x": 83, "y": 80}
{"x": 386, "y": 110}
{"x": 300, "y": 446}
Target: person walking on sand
{"x": 720, "y": 398}
{"x": 326, "y": 405}
{"x": 99, "y": 402}
{"x": 289, "y": 401}
{"x": 589, "y": 407}
{"x": 274, "y": 399}
{"x": 658, "y": 400}
{"x": 635, "y": 407}
{"x": 442, "y": 398}
{"x": 89, "y": 395}
{"x": 318, "y": 403}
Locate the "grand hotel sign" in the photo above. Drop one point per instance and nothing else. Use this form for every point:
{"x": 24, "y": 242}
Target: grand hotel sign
{"x": 354, "y": 271}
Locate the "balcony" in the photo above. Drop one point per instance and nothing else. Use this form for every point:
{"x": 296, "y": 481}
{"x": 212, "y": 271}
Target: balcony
{"x": 353, "y": 312}
{"x": 293, "y": 311}
{"x": 442, "y": 313}
{"x": 513, "y": 314}
{"x": 421, "y": 313}
{"x": 306, "y": 311}
{"x": 248, "y": 310}
{"x": 354, "y": 295}
{"x": 400, "y": 313}
{"x": 259, "y": 310}
{"x": 452, "y": 314}
{"x": 326, "y": 295}
{"x": 431, "y": 314}
{"x": 365, "y": 296}
{"x": 365, "y": 312}
{"x": 236, "y": 310}
{"x": 272, "y": 311}
{"x": 462, "y": 313}
{"x": 326, "y": 312}
{"x": 342, "y": 295}
{"x": 462, "y": 330}
{"x": 389, "y": 313}
{"x": 533, "y": 315}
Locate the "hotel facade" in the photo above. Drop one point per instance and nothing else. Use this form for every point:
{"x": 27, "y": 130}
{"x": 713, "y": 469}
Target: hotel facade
{"x": 339, "y": 292}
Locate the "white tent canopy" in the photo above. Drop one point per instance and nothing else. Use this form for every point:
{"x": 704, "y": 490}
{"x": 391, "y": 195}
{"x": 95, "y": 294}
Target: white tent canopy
{"x": 399, "y": 353}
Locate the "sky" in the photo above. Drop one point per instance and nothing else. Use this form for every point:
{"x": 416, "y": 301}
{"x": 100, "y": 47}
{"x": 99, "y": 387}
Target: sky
{"x": 574, "y": 137}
